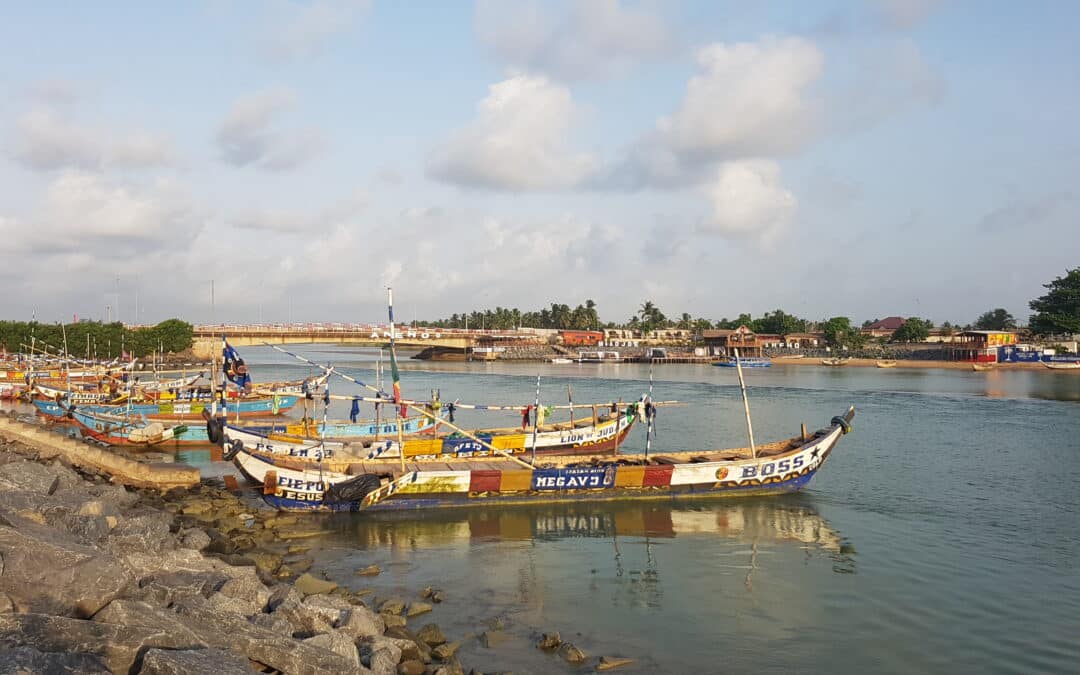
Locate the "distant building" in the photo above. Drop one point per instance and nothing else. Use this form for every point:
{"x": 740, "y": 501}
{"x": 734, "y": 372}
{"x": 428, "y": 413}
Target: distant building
{"x": 581, "y": 338}
{"x": 770, "y": 340}
{"x": 803, "y": 340}
{"x": 723, "y": 342}
{"x": 884, "y": 327}
{"x": 979, "y": 346}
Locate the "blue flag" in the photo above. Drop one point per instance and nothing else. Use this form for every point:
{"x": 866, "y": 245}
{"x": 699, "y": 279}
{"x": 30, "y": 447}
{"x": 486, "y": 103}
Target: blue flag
{"x": 235, "y": 368}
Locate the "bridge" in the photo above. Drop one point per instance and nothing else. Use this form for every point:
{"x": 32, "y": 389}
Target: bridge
{"x": 207, "y": 338}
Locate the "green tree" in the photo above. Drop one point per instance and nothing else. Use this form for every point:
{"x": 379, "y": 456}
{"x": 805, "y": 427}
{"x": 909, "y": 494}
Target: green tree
{"x": 840, "y": 333}
{"x": 914, "y": 329}
{"x": 651, "y": 317}
{"x": 995, "y": 319}
{"x": 1059, "y": 310}
{"x": 780, "y": 322}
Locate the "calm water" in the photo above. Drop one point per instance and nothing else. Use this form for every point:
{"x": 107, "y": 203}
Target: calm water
{"x": 943, "y": 534}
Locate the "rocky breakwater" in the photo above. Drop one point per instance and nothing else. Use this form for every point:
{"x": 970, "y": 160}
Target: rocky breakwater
{"x": 96, "y": 578}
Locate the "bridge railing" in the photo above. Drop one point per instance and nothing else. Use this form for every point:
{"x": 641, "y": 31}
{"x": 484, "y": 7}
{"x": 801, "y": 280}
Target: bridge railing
{"x": 345, "y": 330}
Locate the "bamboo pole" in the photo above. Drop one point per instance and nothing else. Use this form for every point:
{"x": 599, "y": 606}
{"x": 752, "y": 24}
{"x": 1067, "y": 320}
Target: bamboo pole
{"x": 746, "y": 404}
{"x": 393, "y": 357}
{"x": 536, "y": 418}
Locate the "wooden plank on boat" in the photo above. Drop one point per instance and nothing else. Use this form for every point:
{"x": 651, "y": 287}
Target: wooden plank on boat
{"x": 630, "y": 476}
{"x": 514, "y": 480}
{"x": 657, "y": 476}
{"x": 484, "y": 480}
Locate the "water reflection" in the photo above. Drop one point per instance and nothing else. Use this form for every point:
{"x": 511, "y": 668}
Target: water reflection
{"x": 792, "y": 519}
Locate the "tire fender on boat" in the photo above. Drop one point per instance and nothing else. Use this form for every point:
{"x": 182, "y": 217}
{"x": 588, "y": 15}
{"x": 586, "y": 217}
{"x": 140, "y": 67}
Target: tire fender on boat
{"x": 842, "y": 423}
{"x": 233, "y": 448}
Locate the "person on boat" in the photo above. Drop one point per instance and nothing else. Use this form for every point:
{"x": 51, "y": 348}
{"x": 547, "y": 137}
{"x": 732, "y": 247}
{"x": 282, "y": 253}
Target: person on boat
{"x": 525, "y": 413}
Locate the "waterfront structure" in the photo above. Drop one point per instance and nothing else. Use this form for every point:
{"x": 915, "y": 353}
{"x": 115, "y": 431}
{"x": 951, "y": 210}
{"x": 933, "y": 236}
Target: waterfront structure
{"x": 979, "y": 346}
{"x": 722, "y": 342}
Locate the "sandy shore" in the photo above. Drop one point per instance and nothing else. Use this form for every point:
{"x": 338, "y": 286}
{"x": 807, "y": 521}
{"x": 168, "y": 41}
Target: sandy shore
{"x": 915, "y": 363}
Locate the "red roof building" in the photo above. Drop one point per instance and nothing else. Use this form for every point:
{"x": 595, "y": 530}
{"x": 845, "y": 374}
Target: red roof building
{"x": 884, "y": 327}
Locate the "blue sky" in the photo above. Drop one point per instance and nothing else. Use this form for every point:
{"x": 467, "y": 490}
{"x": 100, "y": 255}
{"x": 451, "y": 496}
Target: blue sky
{"x": 866, "y": 159}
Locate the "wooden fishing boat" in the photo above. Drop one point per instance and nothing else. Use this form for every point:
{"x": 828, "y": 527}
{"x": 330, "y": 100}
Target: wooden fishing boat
{"x": 1062, "y": 365}
{"x": 747, "y": 362}
{"x": 835, "y": 361}
{"x": 245, "y": 407}
{"x": 90, "y": 396}
{"x": 133, "y": 430}
{"x": 584, "y": 437}
{"x": 166, "y": 385}
{"x": 979, "y": 367}
{"x": 780, "y": 467}
{"x": 886, "y": 364}
{"x": 114, "y": 430}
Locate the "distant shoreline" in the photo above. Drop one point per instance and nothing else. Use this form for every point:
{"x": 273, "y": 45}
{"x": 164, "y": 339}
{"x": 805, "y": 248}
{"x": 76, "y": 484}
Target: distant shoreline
{"x": 919, "y": 364}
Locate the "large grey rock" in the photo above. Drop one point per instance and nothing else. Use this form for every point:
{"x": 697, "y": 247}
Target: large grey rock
{"x": 248, "y": 589}
{"x": 361, "y": 622}
{"x": 274, "y": 623}
{"x": 283, "y": 594}
{"x": 223, "y": 603}
{"x": 194, "y": 538}
{"x": 116, "y": 645}
{"x": 50, "y": 571}
{"x": 117, "y": 495}
{"x": 259, "y": 644}
{"x": 137, "y": 613}
{"x": 29, "y": 476}
{"x": 22, "y": 660}
{"x": 339, "y": 643}
{"x": 190, "y": 661}
{"x": 331, "y": 607}
{"x": 145, "y": 532}
{"x": 383, "y": 655}
{"x": 163, "y": 589}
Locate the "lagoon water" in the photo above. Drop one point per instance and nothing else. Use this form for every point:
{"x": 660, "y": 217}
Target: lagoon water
{"x": 943, "y": 535}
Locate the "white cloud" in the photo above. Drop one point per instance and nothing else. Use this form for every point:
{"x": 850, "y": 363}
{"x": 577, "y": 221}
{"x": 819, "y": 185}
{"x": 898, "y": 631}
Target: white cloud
{"x": 518, "y": 141}
{"x": 749, "y": 201}
{"x": 302, "y": 29}
{"x": 587, "y": 38}
{"x": 47, "y": 140}
{"x": 749, "y": 99}
{"x": 106, "y": 219}
{"x": 247, "y": 136}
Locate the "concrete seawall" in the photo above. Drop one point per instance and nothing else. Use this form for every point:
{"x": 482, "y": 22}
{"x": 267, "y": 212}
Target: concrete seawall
{"x": 87, "y": 457}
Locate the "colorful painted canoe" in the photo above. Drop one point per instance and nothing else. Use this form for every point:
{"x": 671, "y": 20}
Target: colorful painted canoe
{"x": 784, "y": 466}
{"x": 259, "y": 407}
{"x": 124, "y": 431}
{"x": 92, "y": 396}
{"x": 584, "y": 438}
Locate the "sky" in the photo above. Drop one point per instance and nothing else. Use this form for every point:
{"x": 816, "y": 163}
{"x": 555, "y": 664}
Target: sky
{"x": 863, "y": 159}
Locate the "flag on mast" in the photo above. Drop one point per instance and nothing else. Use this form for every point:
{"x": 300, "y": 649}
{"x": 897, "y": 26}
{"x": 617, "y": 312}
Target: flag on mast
{"x": 402, "y": 410}
{"x": 235, "y": 368}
